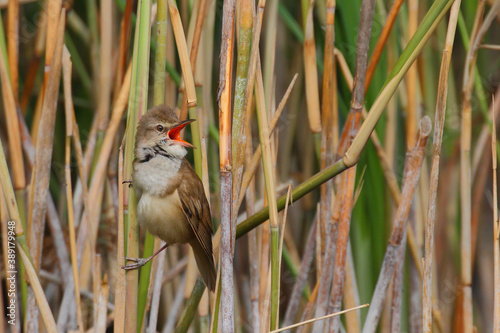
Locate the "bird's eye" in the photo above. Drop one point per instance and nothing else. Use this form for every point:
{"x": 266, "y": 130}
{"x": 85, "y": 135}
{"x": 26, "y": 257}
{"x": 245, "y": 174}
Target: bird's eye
{"x": 159, "y": 128}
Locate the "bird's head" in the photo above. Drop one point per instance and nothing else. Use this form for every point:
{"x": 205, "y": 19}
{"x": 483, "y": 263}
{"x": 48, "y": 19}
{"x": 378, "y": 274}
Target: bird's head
{"x": 161, "y": 128}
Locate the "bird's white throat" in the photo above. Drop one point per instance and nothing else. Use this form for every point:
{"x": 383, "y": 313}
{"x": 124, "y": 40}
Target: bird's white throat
{"x": 154, "y": 176}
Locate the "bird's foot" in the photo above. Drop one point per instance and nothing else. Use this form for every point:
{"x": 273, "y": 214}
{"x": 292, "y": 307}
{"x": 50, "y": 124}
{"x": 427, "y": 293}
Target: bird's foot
{"x": 129, "y": 182}
{"x": 138, "y": 262}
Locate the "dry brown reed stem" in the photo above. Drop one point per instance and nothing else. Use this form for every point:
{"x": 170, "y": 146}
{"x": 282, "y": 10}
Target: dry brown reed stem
{"x": 193, "y": 55}
{"x": 465, "y": 169}
{"x": 384, "y": 35}
{"x": 357, "y": 99}
{"x": 434, "y": 177}
{"x": 13, "y": 44}
{"x": 413, "y": 165}
{"x": 68, "y": 108}
{"x": 311, "y": 73}
{"x": 123, "y": 45}
{"x": 43, "y": 159}
{"x": 53, "y": 12}
{"x": 270, "y": 53}
{"x": 411, "y": 81}
{"x": 326, "y": 260}
{"x": 351, "y": 293}
{"x": 252, "y": 165}
{"x": 496, "y": 243}
{"x": 329, "y": 133}
{"x": 397, "y": 287}
{"x": 120, "y": 286}
{"x": 12, "y": 125}
{"x": 105, "y": 65}
{"x": 180, "y": 39}
{"x": 305, "y": 266}
{"x": 228, "y": 228}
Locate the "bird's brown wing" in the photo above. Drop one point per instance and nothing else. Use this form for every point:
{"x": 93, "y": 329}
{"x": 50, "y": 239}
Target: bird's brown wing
{"x": 195, "y": 207}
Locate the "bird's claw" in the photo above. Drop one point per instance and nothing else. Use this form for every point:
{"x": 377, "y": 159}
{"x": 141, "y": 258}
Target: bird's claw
{"x": 138, "y": 262}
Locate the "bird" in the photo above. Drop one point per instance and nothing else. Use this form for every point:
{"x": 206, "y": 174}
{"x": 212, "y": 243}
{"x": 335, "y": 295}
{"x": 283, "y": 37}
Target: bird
{"x": 171, "y": 199}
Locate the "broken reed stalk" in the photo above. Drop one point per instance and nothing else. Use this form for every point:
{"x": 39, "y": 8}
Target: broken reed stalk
{"x": 180, "y": 40}
{"x": 434, "y": 177}
{"x": 137, "y": 106}
{"x": 413, "y": 165}
{"x": 347, "y": 183}
{"x": 68, "y": 108}
{"x": 310, "y": 69}
{"x": 41, "y": 172}
{"x": 227, "y": 226}
{"x": 270, "y": 194}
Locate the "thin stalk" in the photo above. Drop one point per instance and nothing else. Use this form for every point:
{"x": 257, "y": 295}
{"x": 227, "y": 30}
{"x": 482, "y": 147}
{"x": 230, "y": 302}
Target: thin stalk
{"x": 13, "y": 44}
{"x": 413, "y": 165}
{"x": 411, "y": 123}
{"x": 496, "y": 242}
{"x": 270, "y": 193}
{"x": 180, "y": 40}
{"x": 137, "y": 106}
{"x": 310, "y": 69}
{"x": 329, "y": 143}
{"x": 120, "y": 287}
{"x": 305, "y": 266}
{"x": 228, "y": 227}
{"x": 68, "y": 107}
{"x": 437, "y": 141}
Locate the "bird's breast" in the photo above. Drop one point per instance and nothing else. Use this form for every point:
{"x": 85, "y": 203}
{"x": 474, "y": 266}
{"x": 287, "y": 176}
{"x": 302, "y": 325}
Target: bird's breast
{"x": 164, "y": 218}
{"x": 156, "y": 176}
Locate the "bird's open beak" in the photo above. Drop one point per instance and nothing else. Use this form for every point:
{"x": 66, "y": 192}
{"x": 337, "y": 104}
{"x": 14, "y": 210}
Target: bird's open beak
{"x": 174, "y": 133}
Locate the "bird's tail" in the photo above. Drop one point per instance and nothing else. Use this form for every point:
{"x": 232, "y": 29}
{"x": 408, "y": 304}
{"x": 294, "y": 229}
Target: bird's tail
{"x": 205, "y": 264}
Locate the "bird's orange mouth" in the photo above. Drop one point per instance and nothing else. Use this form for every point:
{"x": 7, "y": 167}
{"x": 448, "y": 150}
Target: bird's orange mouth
{"x": 174, "y": 134}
